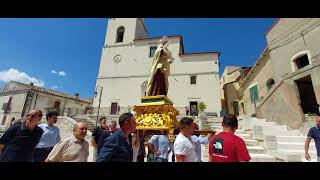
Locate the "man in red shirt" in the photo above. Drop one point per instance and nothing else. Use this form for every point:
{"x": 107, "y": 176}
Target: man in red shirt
{"x": 227, "y": 147}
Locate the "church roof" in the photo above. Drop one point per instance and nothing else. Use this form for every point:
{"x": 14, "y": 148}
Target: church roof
{"x": 197, "y": 54}
{"x": 169, "y": 37}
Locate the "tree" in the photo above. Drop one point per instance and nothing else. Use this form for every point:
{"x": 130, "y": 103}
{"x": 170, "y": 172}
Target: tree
{"x": 202, "y": 106}
{"x": 202, "y": 116}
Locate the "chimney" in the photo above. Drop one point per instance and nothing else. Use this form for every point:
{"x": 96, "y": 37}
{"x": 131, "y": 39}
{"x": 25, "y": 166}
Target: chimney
{"x": 31, "y": 84}
{"x": 77, "y": 95}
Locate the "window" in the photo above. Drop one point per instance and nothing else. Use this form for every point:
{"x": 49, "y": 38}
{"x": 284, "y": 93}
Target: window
{"x": 144, "y": 88}
{"x": 193, "y": 79}
{"x": 254, "y": 94}
{"x": 269, "y": 83}
{"x": 152, "y": 51}
{"x": 302, "y": 61}
{"x": 114, "y": 108}
{"x": 56, "y": 104}
{"x": 120, "y": 34}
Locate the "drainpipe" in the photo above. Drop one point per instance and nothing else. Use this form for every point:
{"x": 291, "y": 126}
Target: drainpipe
{"x": 29, "y": 99}
{"x": 35, "y": 103}
{"x": 64, "y": 105}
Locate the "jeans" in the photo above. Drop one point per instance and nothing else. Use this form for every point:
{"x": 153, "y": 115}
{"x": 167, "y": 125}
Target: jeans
{"x": 150, "y": 157}
{"x": 157, "y": 159}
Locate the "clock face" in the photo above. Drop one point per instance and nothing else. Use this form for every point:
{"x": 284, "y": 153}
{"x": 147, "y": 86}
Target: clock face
{"x": 117, "y": 59}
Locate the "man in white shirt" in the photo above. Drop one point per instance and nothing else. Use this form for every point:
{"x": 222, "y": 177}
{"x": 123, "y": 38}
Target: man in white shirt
{"x": 183, "y": 145}
{"x": 73, "y": 149}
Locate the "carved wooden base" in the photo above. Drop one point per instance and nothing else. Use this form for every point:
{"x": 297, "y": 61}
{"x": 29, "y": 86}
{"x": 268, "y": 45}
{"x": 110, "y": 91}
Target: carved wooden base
{"x": 156, "y": 114}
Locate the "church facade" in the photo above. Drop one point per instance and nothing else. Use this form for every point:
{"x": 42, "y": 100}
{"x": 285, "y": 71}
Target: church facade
{"x": 125, "y": 66}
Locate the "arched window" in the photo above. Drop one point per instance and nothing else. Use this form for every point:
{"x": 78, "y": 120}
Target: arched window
{"x": 300, "y": 60}
{"x": 144, "y": 88}
{"x": 120, "y": 34}
{"x": 269, "y": 83}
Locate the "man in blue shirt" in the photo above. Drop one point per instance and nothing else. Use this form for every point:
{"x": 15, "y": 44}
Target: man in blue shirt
{"x": 105, "y": 134}
{"x": 118, "y": 146}
{"x": 96, "y": 134}
{"x": 18, "y": 143}
{"x": 159, "y": 145}
{"x": 49, "y": 138}
{"x": 314, "y": 133}
{"x": 198, "y": 140}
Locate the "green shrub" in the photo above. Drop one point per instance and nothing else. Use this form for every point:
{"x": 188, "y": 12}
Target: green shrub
{"x": 202, "y": 106}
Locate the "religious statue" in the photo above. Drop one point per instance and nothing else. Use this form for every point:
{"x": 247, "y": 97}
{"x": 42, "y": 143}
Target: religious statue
{"x": 160, "y": 70}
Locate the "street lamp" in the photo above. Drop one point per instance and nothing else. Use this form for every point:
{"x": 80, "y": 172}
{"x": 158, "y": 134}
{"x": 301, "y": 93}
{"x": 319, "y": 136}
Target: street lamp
{"x": 95, "y": 95}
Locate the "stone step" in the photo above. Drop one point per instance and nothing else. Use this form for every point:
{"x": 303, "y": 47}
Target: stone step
{"x": 294, "y": 133}
{"x": 244, "y": 136}
{"x": 240, "y": 131}
{"x": 285, "y": 156}
{"x": 251, "y": 142}
{"x": 295, "y": 146}
{"x": 312, "y": 160}
{"x": 214, "y": 119}
{"x": 313, "y": 154}
{"x": 216, "y": 126}
{"x": 291, "y": 138}
{"x": 256, "y": 150}
{"x": 237, "y": 132}
{"x": 262, "y": 123}
{"x": 254, "y": 158}
{"x": 262, "y": 158}
{"x": 271, "y": 129}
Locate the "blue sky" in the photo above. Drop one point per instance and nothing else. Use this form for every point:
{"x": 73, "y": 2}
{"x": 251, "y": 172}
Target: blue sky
{"x": 64, "y": 54}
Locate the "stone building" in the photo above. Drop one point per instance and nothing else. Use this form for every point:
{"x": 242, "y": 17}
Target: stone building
{"x": 230, "y": 81}
{"x": 125, "y": 65}
{"x": 17, "y": 99}
{"x": 284, "y": 84}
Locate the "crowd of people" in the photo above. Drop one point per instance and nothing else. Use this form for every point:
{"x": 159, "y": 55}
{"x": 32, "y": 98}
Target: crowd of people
{"x": 29, "y": 142}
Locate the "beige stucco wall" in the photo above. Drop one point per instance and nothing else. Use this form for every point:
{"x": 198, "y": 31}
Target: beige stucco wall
{"x": 232, "y": 95}
{"x": 17, "y": 103}
{"x": 259, "y": 76}
{"x": 47, "y": 101}
{"x": 282, "y": 106}
{"x": 286, "y": 42}
{"x": 40, "y": 101}
{"x": 227, "y": 78}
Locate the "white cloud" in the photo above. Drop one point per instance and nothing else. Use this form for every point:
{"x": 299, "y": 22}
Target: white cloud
{"x": 54, "y": 87}
{"x": 62, "y": 73}
{"x": 15, "y": 75}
